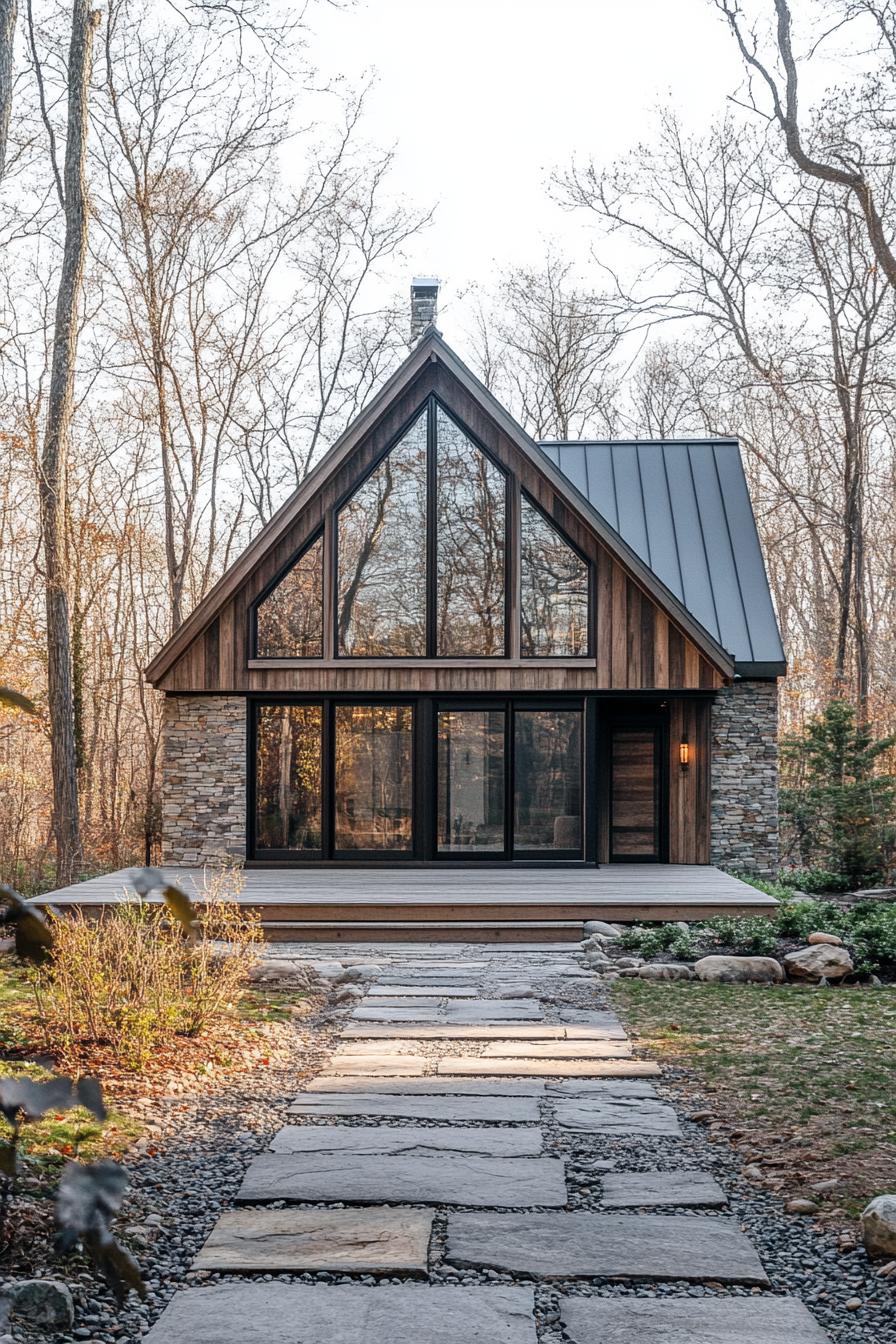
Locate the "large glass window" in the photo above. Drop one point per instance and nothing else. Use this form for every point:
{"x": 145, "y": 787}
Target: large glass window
{"x": 287, "y": 789}
{"x": 548, "y": 780}
{"x": 382, "y": 556}
{"x": 554, "y": 591}
{"x": 470, "y": 522}
{"x": 470, "y": 781}
{"x": 290, "y": 619}
{"x": 373, "y": 777}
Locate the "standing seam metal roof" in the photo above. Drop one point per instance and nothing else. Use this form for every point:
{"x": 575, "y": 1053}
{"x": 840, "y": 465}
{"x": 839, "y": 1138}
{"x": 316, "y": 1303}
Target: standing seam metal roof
{"x": 683, "y": 506}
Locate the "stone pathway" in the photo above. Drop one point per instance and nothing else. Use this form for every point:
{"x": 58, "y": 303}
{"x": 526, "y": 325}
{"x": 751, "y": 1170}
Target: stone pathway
{"x": 442, "y": 1180}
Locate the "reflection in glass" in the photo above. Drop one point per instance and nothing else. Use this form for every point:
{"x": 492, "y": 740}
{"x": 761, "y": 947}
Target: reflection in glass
{"x": 290, "y": 619}
{"x": 382, "y": 555}
{"x": 548, "y": 779}
{"x": 287, "y": 793}
{"x": 554, "y": 596}
{"x": 374, "y": 782}
{"x": 470, "y": 504}
{"x": 471, "y": 781}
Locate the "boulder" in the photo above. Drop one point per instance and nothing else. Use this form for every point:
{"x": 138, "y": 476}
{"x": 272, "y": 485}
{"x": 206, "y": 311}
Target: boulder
{"x": 46, "y": 1303}
{"x": 801, "y": 1206}
{"x": 879, "y": 1226}
{"x": 629, "y": 963}
{"x": 820, "y": 962}
{"x": 669, "y": 971}
{"x": 600, "y": 926}
{"x": 824, "y": 940}
{"x": 595, "y": 943}
{"x": 721, "y": 970}
{"x": 279, "y": 971}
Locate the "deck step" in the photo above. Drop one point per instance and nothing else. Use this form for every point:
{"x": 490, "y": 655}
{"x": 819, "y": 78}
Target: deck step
{"x": 451, "y": 931}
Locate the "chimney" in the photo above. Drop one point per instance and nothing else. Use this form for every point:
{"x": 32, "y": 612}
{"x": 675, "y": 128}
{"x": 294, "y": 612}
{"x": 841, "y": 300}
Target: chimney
{"x": 424, "y": 304}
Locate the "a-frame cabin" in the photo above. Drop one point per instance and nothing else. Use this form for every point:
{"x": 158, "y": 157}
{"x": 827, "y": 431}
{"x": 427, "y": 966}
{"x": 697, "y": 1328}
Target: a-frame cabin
{"x": 454, "y": 645}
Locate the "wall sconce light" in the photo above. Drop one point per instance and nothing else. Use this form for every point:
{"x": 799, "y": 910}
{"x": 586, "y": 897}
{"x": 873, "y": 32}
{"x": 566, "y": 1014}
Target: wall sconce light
{"x": 684, "y": 753}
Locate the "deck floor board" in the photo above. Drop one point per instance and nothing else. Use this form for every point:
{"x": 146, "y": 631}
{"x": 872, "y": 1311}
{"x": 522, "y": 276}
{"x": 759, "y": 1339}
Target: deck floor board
{"x": 328, "y": 892}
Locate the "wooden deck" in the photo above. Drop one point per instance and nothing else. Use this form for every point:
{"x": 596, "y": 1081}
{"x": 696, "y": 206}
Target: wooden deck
{"x": 353, "y": 903}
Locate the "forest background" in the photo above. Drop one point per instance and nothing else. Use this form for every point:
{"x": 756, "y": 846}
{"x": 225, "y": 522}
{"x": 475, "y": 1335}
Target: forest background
{"x": 204, "y": 275}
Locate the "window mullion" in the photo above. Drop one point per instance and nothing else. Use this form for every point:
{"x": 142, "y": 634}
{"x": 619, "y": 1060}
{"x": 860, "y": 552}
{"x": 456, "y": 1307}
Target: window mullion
{"x": 432, "y": 542}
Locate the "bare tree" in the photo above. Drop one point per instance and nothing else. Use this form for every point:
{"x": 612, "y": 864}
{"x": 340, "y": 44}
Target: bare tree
{"x": 8, "y": 16}
{"x": 841, "y": 160}
{"x": 546, "y": 343}
{"x": 780, "y": 274}
{"x": 54, "y": 458}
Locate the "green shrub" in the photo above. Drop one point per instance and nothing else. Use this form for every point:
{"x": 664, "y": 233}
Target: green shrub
{"x": 820, "y": 880}
{"x": 746, "y": 936}
{"x": 649, "y": 942}
{"x": 797, "y": 919}
{"x": 871, "y": 937}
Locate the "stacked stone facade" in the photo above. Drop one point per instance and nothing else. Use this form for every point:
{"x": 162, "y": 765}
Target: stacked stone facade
{"x": 745, "y": 777}
{"x": 203, "y": 779}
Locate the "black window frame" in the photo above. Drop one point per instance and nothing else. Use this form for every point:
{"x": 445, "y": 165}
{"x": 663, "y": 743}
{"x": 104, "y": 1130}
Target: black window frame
{"x": 591, "y": 641}
{"x": 425, "y": 707}
{"x": 318, "y": 535}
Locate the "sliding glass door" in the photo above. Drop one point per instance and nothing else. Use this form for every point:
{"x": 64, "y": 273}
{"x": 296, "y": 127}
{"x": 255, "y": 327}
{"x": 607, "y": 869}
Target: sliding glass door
{"x": 420, "y": 779}
{"x": 471, "y": 768}
{"x": 373, "y": 780}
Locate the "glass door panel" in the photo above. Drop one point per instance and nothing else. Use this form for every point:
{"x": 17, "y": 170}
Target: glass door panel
{"x": 548, "y": 782}
{"x": 470, "y": 772}
{"x": 288, "y": 778}
{"x": 373, "y": 778}
{"x": 634, "y": 795}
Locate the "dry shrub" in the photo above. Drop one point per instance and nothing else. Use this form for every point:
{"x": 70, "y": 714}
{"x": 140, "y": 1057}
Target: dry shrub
{"x": 132, "y": 980}
{"x": 221, "y": 959}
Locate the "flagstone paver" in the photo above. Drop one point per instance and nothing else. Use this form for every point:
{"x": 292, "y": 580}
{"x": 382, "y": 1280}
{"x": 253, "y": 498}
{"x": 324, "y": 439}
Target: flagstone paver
{"x": 411, "y": 1141}
{"x": 461, "y": 1087}
{"x": 605, "y": 1245}
{"x": 460, "y": 1110}
{"x": 642, "y": 1189}
{"x": 422, "y": 991}
{"x": 707, "y": 1320}
{"x": 435, "y": 1041}
{"x": 557, "y": 1050}
{"x": 357, "y": 1241}
{"x": 375, "y": 1066}
{"x": 450, "y": 1178}
{"x": 287, "y": 1313}
{"x": 507, "y": 1031}
{"x": 550, "y": 1068}
{"x": 618, "y": 1115}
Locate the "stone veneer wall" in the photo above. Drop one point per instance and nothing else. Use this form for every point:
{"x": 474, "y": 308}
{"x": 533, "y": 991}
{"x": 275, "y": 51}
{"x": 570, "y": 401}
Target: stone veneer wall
{"x": 203, "y": 779}
{"x": 744, "y": 791}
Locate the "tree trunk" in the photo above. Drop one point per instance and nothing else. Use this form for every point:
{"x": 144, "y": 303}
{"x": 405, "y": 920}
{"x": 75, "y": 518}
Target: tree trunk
{"x": 53, "y": 473}
{"x": 8, "y": 14}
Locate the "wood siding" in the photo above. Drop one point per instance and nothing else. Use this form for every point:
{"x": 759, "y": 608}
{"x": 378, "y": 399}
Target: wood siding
{"x": 636, "y": 644}
{"x": 689, "y": 720}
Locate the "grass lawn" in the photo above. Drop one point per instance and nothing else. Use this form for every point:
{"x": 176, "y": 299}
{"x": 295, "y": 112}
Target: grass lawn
{"x": 802, "y": 1080}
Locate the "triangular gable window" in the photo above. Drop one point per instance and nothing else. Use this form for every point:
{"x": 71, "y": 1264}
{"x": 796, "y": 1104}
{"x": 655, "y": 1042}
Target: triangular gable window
{"x": 289, "y": 621}
{"x": 422, "y": 570}
{"x": 554, "y": 599}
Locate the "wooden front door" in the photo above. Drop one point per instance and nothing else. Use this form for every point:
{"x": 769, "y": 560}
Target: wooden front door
{"x": 635, "y": 794}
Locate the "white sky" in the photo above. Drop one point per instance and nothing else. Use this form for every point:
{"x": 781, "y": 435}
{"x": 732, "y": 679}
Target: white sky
{"x": 482, "y": 98}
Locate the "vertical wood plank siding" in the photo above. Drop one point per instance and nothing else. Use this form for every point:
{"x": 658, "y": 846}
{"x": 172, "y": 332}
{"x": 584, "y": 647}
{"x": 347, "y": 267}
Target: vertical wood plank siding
{"x": 689, "y": 720}
{"x": 636, "y": 646}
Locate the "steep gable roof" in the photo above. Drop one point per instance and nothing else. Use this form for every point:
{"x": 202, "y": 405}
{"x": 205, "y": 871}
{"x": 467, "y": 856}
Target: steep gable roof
{"x": 433, "y": 348}
{"x": 684, "y": 508}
